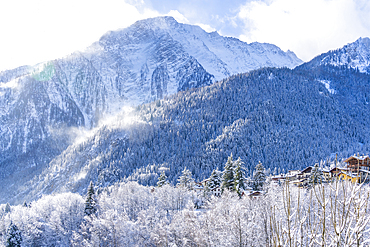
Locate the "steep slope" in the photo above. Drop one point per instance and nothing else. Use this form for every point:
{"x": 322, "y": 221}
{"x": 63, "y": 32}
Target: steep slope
{"x": 355, "y": 55}
{"x": 151, "y": 59}
{"x": 287, "y": 119}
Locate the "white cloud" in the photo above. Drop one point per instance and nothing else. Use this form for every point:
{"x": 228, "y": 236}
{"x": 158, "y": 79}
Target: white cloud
{"x": 206, "y": 27}
{"x": 40, "y": 30}
{"x": 34, "y": 31}
{"x": 308, "y": 27}
{"x": 178, "y": 16}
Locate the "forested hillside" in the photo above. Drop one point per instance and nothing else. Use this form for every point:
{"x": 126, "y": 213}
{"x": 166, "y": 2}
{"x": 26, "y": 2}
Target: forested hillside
{"x": 287, "y": 119}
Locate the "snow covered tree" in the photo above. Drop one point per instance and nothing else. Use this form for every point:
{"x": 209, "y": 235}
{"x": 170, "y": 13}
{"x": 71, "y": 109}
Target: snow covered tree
{"x": 90, "y": 204}
{"x": 162, "y": 180}
{"x": 14, "y": 236}
{"x": 228, "y": 174}
{"x": 7, "y": 208}
{"x": 215, "y": 180}
{"x": 316, "y": 176}
{"x": 239, "y": 185}
{"x": 259, "y": 177}
{"x": 185, "y": 180}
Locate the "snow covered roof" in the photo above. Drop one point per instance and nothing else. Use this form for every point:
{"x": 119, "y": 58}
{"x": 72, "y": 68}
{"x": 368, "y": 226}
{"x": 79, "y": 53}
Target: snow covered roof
{"x": 339, "y": 169}
{"x": 357, "y": 157}
{"x": 198, "y": 186}
{"x": 255, "y": 193}
{"x": 307, "y": 169}
{"x": 365, "y": 171}
{"x": 277, "y": 177}
{"x": 216, "y": 188}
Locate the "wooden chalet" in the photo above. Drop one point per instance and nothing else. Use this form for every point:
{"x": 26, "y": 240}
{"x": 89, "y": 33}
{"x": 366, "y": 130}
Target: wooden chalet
{"x": 357, "y": 162}
{"x": 306, "y": 173}
{"x": 199, "y": 187}
{"x": 335, "y": 171}
{"x": 357, "y": 168}
{"x": 255, "y": 194}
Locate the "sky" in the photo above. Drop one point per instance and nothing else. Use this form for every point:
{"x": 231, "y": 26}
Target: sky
{"x": 35, "y": 31}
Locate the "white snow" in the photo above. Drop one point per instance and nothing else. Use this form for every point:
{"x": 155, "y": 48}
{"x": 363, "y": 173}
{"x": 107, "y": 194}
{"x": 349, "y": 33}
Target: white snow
{"x": 13, "y": 84}
{"x": 327, "y": 86}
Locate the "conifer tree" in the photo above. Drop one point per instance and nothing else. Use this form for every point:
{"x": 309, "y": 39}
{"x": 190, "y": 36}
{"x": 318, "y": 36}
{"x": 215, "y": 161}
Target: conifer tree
{"x": 162, "y": 180}
{"x": 316, "y": 176}
{"x": 239, "y": 185}
{"x": 186, "y": 180}
{"x": 215, "y": 180}
{"x": 228, "y": 174}
{"x": 14, "y": 236}
{"x": 7, "y": 208}
{"x": 90, "y": 204}
{"x": 259, "y": 177}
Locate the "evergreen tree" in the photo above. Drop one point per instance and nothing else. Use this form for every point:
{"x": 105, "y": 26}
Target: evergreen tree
{"x": 228, "y": 174}
{"x": 215, "y": 180}
{"x": 239, "y": 185}
{"x": 7, "y": 208}
{"x": 259, "y": 177}
{"x": 14, "y": 236}
{"x": 186, "y": 180}
{"x": 162, "y": 180}
{"x": 90, "y": 204}
{"x": 316, "y": 176}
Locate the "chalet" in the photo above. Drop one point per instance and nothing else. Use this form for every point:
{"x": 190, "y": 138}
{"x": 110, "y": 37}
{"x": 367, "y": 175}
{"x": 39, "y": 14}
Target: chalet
{"x": 216, "y": 191}
{"x": 365, "y": 175}
{"x": 358, "y": 166}
{"x": 198, "y": 187}
{"x": 255, "y": 194}
{"x": 306, "y": 173}
{"x": 301, "y": 182}
{"x": 294, "y": 172}
{"x": 335, "y": 171}
{"x": 327, "y": 174}
{"x": 349, "y": 176}
{"x": 278, "y": 178}
{"x": 357, "y": 162}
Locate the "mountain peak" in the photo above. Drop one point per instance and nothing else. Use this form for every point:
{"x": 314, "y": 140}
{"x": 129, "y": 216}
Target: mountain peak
{"x": 365, "y": 41}
{"x": 355, "y": 55}
{"x": 160, "y": 22}
{"x": 149, "y": 60}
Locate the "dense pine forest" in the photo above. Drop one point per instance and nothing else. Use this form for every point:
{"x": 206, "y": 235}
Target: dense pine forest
{"x": 286, "y": 119}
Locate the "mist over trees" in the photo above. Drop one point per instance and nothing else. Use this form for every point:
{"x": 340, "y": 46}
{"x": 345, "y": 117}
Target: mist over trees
{"x": 286, "y": 119}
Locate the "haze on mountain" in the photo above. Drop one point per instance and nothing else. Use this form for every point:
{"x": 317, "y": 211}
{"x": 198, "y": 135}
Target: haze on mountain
{"x": 44, "y": 106}
{"x": 287, "y": 119}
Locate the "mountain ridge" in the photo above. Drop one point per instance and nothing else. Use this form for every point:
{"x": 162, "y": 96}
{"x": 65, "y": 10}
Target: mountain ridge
{"x": 354, "y": 55}
{"x": 287, "y": 119}
{"x": 147, "y": 61}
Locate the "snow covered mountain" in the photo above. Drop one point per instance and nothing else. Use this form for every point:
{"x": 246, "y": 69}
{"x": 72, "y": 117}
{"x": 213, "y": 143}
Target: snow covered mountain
{"x": 355, "y": 55}
{"x": 287, "y": 119}
{"x": 41, "y": 105}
